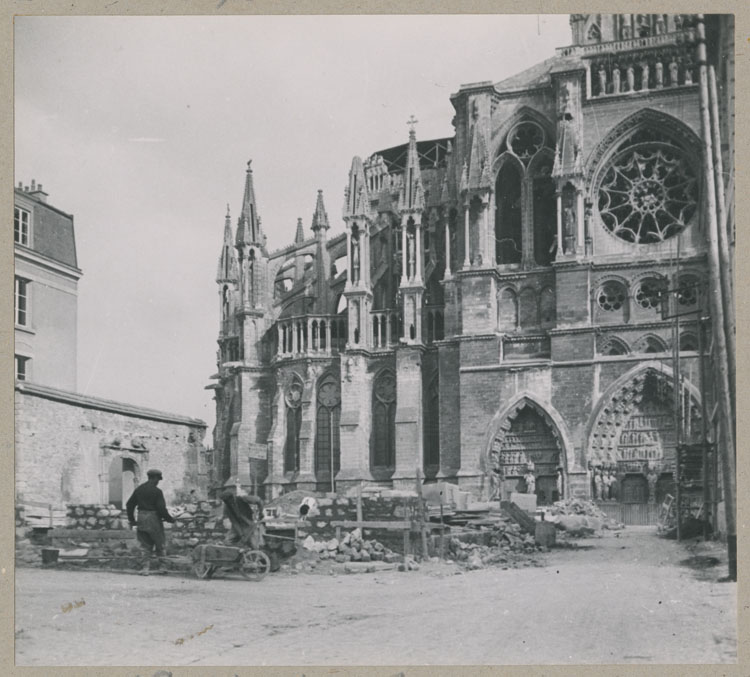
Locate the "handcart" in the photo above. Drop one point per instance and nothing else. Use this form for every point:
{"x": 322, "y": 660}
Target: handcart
{"x": 244, "y": 552}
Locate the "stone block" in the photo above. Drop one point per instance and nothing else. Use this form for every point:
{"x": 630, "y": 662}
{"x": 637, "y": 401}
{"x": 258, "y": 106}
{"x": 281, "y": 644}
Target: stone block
{"x": 526, "y": 502}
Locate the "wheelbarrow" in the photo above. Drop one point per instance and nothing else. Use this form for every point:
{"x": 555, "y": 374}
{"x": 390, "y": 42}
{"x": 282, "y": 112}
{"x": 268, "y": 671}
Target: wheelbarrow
{"x": 244, "y": 552}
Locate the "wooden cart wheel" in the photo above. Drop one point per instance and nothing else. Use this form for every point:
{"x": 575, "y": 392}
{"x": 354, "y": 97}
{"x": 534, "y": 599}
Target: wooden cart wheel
{"x": 203, "y": 570}
{"x": 254, "y": 564}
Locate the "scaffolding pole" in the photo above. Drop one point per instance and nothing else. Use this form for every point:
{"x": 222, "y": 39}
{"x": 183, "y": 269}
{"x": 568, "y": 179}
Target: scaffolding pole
{"x": 726, "y": 442}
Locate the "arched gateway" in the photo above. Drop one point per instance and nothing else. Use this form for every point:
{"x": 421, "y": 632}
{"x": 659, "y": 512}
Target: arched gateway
{"x": 632, "y": 435}
{"x": 525, "y": 433}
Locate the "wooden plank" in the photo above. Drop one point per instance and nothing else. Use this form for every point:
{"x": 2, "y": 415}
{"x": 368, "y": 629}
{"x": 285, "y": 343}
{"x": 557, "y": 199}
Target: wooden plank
{"x": 373, "y": 524}
{"x": 521, "y": 517}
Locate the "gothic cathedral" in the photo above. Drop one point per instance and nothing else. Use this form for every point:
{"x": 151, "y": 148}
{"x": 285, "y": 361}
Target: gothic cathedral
{"x": 500, "y": 300}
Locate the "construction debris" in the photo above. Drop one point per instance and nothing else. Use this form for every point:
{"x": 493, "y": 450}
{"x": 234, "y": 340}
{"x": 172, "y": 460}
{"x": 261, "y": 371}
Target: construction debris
{"x": 579, "y": 517}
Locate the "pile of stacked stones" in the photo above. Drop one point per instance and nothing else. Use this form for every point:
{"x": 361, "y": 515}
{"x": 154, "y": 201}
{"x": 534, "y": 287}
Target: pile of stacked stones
{"x": 27, "y": 553}
{"x": 351, "y": 548}
{"x": 199, "y": 522}
{"x": 94, "y": 516}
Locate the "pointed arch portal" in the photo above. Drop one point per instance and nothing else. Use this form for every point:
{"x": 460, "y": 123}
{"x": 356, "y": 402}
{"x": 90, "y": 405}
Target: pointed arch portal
{"x": 527, "y": 434}
{"x": 633, "y": 432}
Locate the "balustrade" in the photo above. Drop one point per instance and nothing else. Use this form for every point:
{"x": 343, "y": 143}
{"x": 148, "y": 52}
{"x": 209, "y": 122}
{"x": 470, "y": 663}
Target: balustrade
{"x": 315, "y": 335}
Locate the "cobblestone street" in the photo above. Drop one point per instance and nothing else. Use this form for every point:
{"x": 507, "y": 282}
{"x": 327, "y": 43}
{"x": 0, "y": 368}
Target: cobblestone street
{"x": 622, "y": 598}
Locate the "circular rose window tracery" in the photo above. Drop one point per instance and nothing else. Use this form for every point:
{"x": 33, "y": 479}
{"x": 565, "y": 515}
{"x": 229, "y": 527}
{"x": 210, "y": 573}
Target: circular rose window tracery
{"x": 648, "y": 194}
{"x": 611, "y": 296}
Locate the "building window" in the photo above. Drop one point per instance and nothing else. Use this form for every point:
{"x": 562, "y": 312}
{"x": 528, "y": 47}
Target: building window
{"x": 650, "y": 293}
{"x": 612, "y": 296}
{"x": 293, "y": 427}
{"x": 508, "y": 224}
{"x": 327, "y": 438}
{"x": 22, "y": 302}
{"x": 22, "y": 368}
{"x": 21, "y": 221}
{"x": 384, "y": 421}
{"x": 648, "y": 194}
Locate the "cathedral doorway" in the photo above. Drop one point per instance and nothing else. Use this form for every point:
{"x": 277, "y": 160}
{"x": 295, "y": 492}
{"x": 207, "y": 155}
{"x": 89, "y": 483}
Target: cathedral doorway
{"x": 124, "y": 476}
{"x": 633, "y": 439}
{"x": 526, "y": 440}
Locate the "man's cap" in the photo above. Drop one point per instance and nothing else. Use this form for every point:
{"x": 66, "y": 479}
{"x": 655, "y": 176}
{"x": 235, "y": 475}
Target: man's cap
{"x": 155, "y": 473}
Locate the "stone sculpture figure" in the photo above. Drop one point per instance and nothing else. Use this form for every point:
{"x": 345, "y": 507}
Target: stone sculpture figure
{"x": 659, "y": 74}
{"x": 652, "y": 478}
{"x": 560, "y": 485}
{"x": 688, "y": 71}
{"x": 355, "y": 259}
{"x": 631, "y": 78}
{"x": 602, "y": 80}
{"x": 616, "y": 80}
{"x": 644, "y": 76}
{"x": 598, "y": 484}
{"x": 530, "y": 482}
{"x": 673, "y": 73}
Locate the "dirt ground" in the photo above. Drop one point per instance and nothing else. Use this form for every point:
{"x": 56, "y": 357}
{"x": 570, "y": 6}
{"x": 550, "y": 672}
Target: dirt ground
{"x": 621, "y": 598}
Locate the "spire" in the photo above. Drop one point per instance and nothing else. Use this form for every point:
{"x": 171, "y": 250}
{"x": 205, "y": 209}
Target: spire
{"x": 300, "y": 236}
{"x": 412, "y": 192}
{"x": 357, "y": 198}
{"x": 320, "y": 216}
{"x": 227, "y": 271}
{"x": 248, "y": 226}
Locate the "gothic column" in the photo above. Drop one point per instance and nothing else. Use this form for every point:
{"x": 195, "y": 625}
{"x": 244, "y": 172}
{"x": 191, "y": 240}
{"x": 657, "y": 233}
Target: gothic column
{"x": 467, "y": 239}
{"x": 404, "y": 253}
{"x": 418, "y": 251}
{"x": 409, "y": 438}
{"x": 560, "y": 243}
{"x": 580, "y": 237}
{"x": 447, "y": 250}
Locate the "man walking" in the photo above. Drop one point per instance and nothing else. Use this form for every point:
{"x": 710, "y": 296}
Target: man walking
{"x": 152, "y": 509}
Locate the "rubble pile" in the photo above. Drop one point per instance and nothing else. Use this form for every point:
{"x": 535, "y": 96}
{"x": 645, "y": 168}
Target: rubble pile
{"x": 579, "y": 517}
{"x": 506, "y": 546}
{"x": 351, "y": 548}
{"x": 95, "y": 516}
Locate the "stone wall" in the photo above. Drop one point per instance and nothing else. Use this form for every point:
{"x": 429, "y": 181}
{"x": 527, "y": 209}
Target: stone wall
{"x": 84, "y": 450}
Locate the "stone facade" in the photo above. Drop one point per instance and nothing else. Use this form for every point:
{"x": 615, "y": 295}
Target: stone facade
{"x": 75, "y": 449}
{"x": 500, "y": 298}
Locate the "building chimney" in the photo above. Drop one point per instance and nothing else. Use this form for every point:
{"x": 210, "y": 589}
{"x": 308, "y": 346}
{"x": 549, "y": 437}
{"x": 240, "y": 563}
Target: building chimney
{"x": 37, "y": 192}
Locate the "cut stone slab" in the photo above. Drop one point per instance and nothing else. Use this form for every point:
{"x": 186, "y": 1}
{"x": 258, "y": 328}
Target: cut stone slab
{"x": 526, "y": 502}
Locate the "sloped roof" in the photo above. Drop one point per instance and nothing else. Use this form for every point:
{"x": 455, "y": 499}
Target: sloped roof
{"x": 536, "y": 76}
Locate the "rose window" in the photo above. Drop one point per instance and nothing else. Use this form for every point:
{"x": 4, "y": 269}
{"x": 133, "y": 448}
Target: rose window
{"x": 385, "y": 387}
{"x": 648, "y": 194}
{"x": 294, "y": 395}
{"x": 649, "y": 293}
{"x": 525, "y": 139}
{"x": 611, "y": 296}
{"x": 329, "y": 394}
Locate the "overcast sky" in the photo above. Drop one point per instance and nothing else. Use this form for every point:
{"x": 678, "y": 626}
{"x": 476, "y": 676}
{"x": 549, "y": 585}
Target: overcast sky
{"x": 141, "y": 127}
